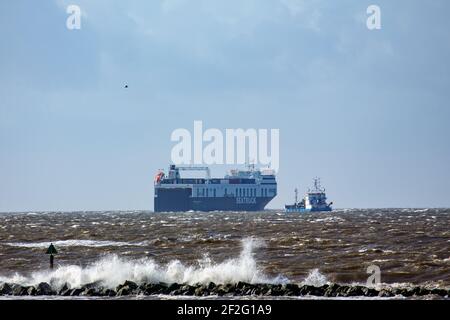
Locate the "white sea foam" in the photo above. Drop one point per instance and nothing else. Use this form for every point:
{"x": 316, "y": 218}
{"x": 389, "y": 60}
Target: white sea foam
{"x": 315, "y": 278}
{"x": 112, "y": 270}
{"x": 76, "y": 243}
{"x": 327, "y": 219}
{"x": 421, "y": 210}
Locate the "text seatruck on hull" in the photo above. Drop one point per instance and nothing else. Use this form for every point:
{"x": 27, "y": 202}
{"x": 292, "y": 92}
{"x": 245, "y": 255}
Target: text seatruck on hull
{"x": 241, "y": 190}
{"x": 315, "y": 200}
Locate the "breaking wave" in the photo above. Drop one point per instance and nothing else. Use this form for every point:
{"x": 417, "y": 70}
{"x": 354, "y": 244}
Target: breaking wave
{"x": 315, "y": 278}
{"x": 113, "y": 270}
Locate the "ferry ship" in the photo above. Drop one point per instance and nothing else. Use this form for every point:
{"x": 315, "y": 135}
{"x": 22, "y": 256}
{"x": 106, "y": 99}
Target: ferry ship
{"x": 240, "y": 190}
{"x": 315, "y": 200}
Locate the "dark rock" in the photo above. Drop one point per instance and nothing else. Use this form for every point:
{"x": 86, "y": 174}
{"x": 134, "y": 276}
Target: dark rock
{"x": 257, "y": 291}
{"x": 305, "y": 289}
{"x": 201, "y": 291}
{"x": 187, "y": 290}
{"x": 399, "y": 291}
{"x": 211, "y": 286}
{"x": 311, "y": 290}
{"x": 238, "y": 289}
{"x": 18, "y": 290}
{"x": 422, "y": 292}
{"x": 154, "y": 288}
{"x": 355, "y": 291}
{"x": 249, "y": 291}
{"x": 291, "y": 289}
{"x": 31, "y": 291}
{"x": 92, "y": 285}
{"x": 107, "y": 293}
{"x": 198, "y": 291}
{"x": 274, "y": 290}
{"x": 325, "y": 286}
{"x": 65, "y": 288}
{"x": 264, "y": 289}
{"x": 331, "y": 290}
{"x": 90, "y": 292}
{"x": 214, "y": 289}
{"x": 439, "y": 292}
{"x": 371, "y": 292}
{"x": 243, "y": 288}
{"x": 221, "y": 290}
{"x": 65, "y": 293}
{"x": 415, "y": 291}
{"x": 408, "y": 292}
{"x": 162, "y": 288}
{"x": 124, "y": 291}
{"x": 177, "y": 292}
{"x": 142, "y": 287}
{"x": 242, "y": 285}
{"x": 173, "y": 287}
{"x": 5, "y": 289}
{"x": 120, "y": 286}
{"x": 131, "y": 285}
{"x": 75, "y": 292}
{"x": 385, "y": 293}
{"x": 44, "y": 289}
{"x": 318, "y": 291}
{"x": 230, "y": 288}
{"x": 341, "y": 291}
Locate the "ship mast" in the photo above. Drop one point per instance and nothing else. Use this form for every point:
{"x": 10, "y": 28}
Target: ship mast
{"x": 296, "y": 196}
{"x": 317, "y": 186}
{"x": 250, "y": 166}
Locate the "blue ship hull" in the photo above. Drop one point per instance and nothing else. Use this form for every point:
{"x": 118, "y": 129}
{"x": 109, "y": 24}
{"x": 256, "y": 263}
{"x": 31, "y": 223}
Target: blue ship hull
{"x": 180, "y": 200}
{"x": 303, "y": 210}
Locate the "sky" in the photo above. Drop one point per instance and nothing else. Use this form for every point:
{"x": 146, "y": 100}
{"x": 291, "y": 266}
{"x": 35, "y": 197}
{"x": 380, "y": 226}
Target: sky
{"x": 366, "y": 110}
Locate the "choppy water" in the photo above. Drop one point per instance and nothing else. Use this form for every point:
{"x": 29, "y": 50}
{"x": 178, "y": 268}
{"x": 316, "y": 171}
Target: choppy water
{"x": 410, "y": 247}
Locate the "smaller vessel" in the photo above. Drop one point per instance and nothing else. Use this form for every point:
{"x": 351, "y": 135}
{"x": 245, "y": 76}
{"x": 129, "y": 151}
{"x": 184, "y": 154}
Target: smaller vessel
{"x": 315, "y": 200}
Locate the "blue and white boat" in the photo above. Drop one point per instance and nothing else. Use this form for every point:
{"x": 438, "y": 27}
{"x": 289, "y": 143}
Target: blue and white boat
{"x": 315, "y": 200}
{"x": 241, "y": 190}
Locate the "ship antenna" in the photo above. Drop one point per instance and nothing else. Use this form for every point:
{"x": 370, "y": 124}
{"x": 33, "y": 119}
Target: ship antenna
{"x": 317, "y": 183}
{"x": 250, "y": 164}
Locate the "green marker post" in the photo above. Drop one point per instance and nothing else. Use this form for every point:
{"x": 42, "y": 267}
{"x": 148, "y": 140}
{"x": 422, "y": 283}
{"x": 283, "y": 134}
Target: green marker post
{"x": 51, "y": 251}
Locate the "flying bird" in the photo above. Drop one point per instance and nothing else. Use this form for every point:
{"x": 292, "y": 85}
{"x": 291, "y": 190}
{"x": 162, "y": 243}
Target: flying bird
{"x": 126, "y": 86}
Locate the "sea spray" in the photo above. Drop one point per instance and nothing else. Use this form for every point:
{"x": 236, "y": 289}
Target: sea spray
{"x": 315, "y": 278}
{"x": 111, "y": 270}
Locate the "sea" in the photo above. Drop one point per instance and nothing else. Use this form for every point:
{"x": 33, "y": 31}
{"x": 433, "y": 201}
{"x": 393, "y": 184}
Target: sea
{"x": 411, "y": 247}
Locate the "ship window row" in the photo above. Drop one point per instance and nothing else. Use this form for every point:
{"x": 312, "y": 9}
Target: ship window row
{"x": 266, "y": 191}
{"x": 242, "y": 192}
{"x": 205, "y": 192}
{"x": 238, "y": 192}
{"x": 246, "y": 192}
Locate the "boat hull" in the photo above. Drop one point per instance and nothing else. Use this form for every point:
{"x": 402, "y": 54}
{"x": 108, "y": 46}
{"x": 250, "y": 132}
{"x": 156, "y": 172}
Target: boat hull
{"x": 181, "y": 200}
{"x": 303, "y": 210}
